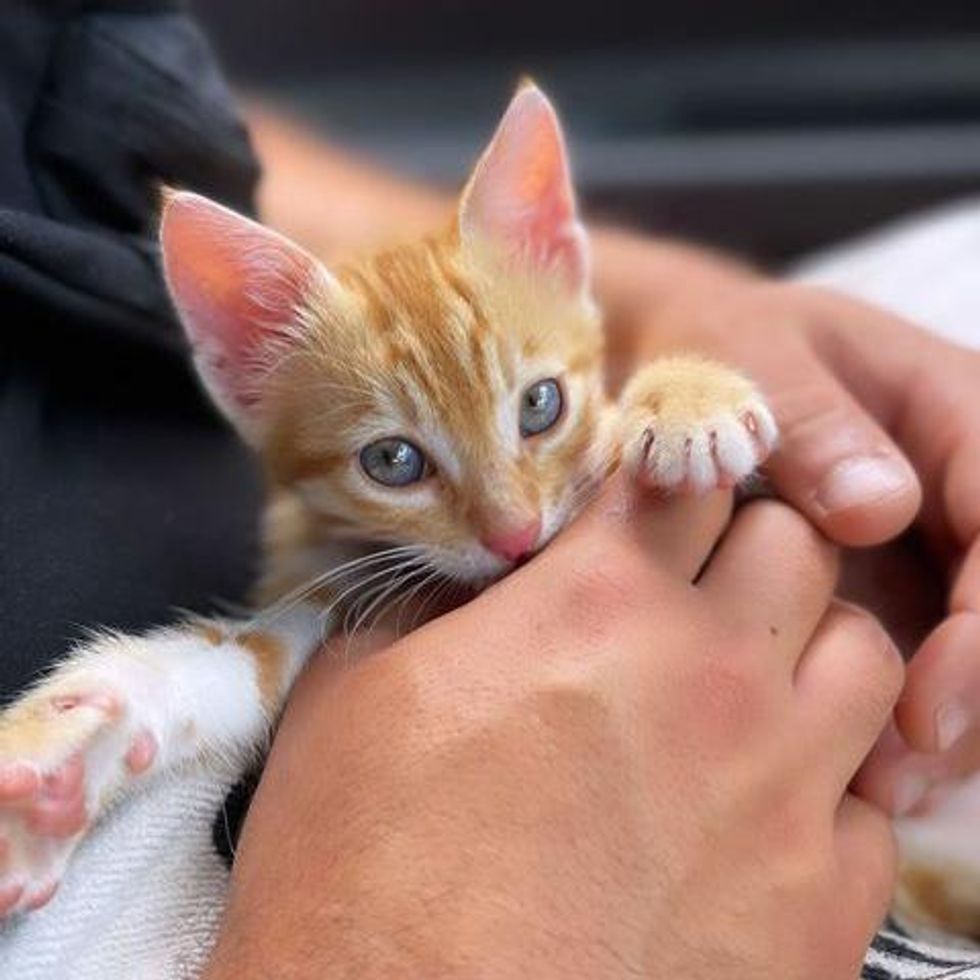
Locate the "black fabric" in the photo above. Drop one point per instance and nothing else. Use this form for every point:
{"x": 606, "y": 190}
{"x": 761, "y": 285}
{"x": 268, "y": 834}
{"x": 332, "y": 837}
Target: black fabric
{"x": 121, "y": 494}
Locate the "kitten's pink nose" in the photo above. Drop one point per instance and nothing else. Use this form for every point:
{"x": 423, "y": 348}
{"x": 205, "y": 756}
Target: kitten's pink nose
{"x": 513, "y": 543}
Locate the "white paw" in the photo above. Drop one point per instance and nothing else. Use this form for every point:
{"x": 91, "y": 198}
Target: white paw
{"x": 64, "y": 749}
{"x": 699, "y": 454}
{"x": 691, "y": 424}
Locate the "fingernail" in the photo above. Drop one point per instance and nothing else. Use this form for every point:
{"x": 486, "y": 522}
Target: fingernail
{"x": 909, "y": 792}
{"x": 861, "y": 480}
{"x": 953, "y": 720}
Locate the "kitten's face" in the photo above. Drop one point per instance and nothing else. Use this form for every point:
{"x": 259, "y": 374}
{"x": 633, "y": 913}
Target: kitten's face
{"x": 446, "y": 394}
{"x": 440, "y": 400}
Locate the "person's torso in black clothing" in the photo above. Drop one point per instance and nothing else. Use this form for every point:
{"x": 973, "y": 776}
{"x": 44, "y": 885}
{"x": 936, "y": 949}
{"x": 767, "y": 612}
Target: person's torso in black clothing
{"x": 122, "y": 497}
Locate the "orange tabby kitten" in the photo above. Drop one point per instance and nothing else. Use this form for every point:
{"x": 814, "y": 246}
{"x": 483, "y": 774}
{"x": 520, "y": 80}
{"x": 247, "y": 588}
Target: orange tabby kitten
{"x": 435, "y": 411}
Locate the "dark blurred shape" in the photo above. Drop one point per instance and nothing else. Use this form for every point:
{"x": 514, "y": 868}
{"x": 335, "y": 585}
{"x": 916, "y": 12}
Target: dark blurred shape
{"x": 121, "y": 495}
{"x": 264, "y": 36}
{"x": 764, "y": 126}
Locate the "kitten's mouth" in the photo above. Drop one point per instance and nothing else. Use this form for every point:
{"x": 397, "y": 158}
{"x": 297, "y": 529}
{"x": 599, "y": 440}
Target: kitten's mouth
{"x": 512, "y": 567}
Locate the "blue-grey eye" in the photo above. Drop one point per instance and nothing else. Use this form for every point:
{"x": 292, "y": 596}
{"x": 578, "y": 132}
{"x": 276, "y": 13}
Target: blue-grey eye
{"x": 540, "y": 407}
{"x": 394, "y": 462}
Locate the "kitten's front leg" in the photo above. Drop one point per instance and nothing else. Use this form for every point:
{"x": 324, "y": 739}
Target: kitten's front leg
{"x": 692, "y": 424}
{"x": 122, "y": 709}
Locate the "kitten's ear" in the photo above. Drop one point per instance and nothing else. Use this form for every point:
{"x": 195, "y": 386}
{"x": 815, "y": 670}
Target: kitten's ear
{"x": 238, "y": 288}
{"x": 521, "y": 197}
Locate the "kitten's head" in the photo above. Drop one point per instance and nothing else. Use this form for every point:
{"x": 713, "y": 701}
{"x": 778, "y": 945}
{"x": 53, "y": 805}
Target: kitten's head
{"x": 445, "y": 394}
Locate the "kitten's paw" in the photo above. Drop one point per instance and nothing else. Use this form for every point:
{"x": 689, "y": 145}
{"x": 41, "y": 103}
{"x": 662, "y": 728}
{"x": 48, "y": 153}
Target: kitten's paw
{"x": 693, "y": 425}
{"x": 63, "y": 751}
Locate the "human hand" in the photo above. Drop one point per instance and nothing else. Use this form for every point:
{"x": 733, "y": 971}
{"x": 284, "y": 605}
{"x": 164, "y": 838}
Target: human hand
{"x": 864, "y": 401}
{"x": 594, "y": 769}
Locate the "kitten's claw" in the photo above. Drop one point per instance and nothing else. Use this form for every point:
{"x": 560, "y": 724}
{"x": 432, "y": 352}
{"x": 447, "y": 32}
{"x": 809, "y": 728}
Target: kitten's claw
{"x": 61, "y": 754}
{"x": 692, "y": 426}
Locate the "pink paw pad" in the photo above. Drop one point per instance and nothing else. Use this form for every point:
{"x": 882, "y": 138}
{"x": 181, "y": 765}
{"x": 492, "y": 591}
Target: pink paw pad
{"x": 41, "y": 897}
{"x": 141, "y": 753}
{"x": 18, "y": 780}
{"x": 58, "y": 809}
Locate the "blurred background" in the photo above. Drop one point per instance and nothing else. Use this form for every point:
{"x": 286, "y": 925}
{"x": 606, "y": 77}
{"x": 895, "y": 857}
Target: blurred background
{"x": 771, "y": 127}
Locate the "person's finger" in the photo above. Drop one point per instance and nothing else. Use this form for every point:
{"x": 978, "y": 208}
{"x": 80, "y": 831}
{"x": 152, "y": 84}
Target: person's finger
{"x": 868, "y": 861}
{"x": 941, "y": 700}
{"x": 833, "y": 461}
{"x": 922, "y": 388}
{"x": 847, "y": 682}
{"x": 966, "y": 589}
{"x": 773, "y": 574}
{"x": 880, "y": 778}
{"x": 682, "y": 532}
{"x": 908, "y": 783}
{"x": 961, "y": 503}
{"x": 679, "y": 531}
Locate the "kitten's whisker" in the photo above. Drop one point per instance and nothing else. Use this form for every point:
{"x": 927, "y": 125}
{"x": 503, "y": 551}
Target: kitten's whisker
{"x": 421, "y": 574}
{"x": 327, "y": 610}
{"x": 385, "y": 575}
{"x": 448, "y": 588}
{"x": 428, "y": 600}
{"x": 372, "y": 577}
{"x": 409, "y": 596}
{"x": 380, "y": 594}
{"x": 320, "y": 581}
{"x": 429, "y": 580}
{"x": 378, "y": 597}
{"x": 297, "y": 595}
{"x": 585, "y": 489}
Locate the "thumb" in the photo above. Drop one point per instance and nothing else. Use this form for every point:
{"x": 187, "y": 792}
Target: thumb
{"x": 834, "y": 462}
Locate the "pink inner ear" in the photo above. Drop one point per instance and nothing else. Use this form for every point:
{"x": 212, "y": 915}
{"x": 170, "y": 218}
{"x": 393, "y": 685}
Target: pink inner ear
{"x": 521, "y": 192}
{"x": 237, "y": 287}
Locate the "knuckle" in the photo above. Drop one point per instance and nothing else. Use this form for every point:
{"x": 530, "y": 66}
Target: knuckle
{"x": 877, "y": 661}
{"x": 808, "y": 412}
{"x": 605, "y": 577}
{"x": 783, "y": 526}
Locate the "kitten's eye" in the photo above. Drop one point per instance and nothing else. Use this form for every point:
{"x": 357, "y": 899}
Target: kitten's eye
{"x": 541, "y": 407}
{"x": 394, "y": 462}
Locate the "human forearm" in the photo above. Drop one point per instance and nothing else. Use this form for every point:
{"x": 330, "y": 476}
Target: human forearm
{"x": 331, "y": 201}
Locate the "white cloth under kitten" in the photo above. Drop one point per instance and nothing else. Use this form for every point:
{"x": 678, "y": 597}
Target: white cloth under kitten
{"x": 144, "y": 894}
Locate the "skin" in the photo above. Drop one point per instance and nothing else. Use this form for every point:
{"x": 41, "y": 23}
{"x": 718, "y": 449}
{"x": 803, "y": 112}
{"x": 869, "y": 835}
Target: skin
{"x": 848, "y": 382}
{"x": 879, "y": 425}
{"x": 529, "y": 798}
